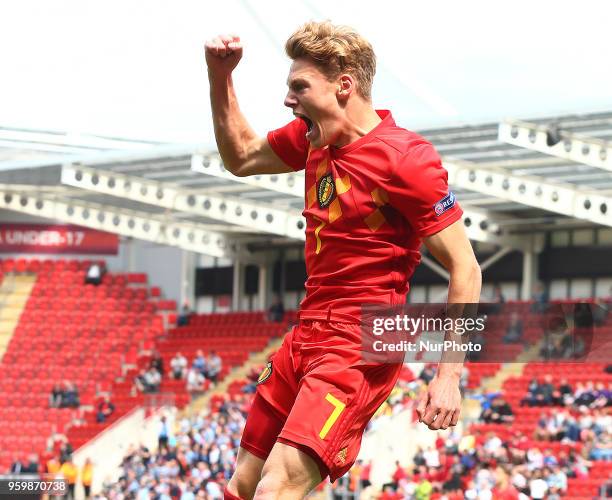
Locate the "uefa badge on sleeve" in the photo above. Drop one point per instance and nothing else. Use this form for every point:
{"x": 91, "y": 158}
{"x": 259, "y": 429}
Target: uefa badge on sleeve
{"x": 445, "y": 204}
{"x": 265, "y": 374}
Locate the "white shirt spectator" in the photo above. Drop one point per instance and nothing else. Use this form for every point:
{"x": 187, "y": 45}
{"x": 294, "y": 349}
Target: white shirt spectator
{"x": 538, "y": 488}
{"x": 493, "y": 444}
{"x": 519, "y": 481}
{"x": 432, "y": 457}
{"x": 215, "y": 364}
{"x": 484, "y": 480}
{"x": 152, "y": 377}
{"x": 214, "y": 490}
{"x": 535, "y": 459}
{"x": 178, "y": 364}
{"x": 195, "y": 381}
{"x": 94, "y": 271}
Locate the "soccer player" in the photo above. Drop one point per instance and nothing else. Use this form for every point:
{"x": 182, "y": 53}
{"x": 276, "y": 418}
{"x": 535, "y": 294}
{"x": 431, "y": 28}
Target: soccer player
{"x": 374, "y": 192}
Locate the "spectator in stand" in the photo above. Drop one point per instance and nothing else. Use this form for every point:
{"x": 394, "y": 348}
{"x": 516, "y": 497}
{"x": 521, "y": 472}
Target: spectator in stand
{"x": 276, "y": 311}
{"x": 214, "y": 365}
{"x": 163, "y": 434}
{"x": 398, "y": 475}
{"x": 185, "y": 316}
{"x": 540, "y": 394}
{"x": 199, "y": 362}
{"x": 563, "y": 395}
{"x": 105, "y": 409}
{"x": 32, "y": 466}
{"x": 87, "y": 477}
{"x": 157, "y": 363}
{"x": 557, "y": 480}
{"x": 19, "y": 466}
{"x": 427, "y": 374}
{"x": 585, "y": 395}
{"x": 532, "y": 391}
{"x": 94, "y": 274}
{"x": 546, "y": 390}
{"x": 55, "y": 398}
{"x": 65, "y": 452}
{"x": 148, "y": 381}
{"x": 498, "y": 296}
{"x": 178, "y": 365}
{"x": 70, "y": 397}
{"x": 601, "y": 447}
{"x": 195, "y": 383}
{"x": 603, "y": 395}
{"x": 514, "y": 332}
{"x": 538, "y": 487}
{"x": 540, "y": 298}
{"x": 499, "y": 412}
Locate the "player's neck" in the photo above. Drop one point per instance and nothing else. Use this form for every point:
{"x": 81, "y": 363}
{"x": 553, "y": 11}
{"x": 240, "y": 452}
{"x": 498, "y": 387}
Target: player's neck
{"x": 360, "y": 119}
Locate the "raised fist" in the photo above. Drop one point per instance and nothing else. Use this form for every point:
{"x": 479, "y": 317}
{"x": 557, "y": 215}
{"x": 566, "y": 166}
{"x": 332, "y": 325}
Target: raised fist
{"x": 223, "y": 54}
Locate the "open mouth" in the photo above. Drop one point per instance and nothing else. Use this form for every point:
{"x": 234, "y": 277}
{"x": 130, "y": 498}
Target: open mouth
{"x": 307, "y": 121}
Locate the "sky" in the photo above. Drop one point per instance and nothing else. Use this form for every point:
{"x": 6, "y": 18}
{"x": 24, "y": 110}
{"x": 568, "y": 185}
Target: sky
{"x": 135, "y": 68}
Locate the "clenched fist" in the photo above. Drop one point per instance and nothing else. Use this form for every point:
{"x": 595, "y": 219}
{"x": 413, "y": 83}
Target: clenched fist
{"x": 223, "y": 54}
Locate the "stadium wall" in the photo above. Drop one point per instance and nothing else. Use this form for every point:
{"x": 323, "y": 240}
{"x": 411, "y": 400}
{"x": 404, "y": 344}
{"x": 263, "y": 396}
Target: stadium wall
{"x": 133, "y": 256}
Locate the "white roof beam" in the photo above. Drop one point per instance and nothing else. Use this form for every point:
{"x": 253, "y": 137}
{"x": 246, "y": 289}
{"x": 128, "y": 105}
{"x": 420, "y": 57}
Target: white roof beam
{"x": 140, "y": 225}
{"x": 211, "y": 164}
{"x": 249, "y": 215}
{"x": 536, "y": 192}
{"x": 575, "y": 147}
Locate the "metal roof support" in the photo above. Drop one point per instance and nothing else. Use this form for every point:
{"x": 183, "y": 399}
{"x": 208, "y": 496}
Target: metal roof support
{"x": 574, "y": 147}
{"x": 533, "y": 191}
{"x": 251, "y": 216}
{"x": 481, "y": 225}
{"x": 141, "y": 225}
{"x": 211, "y": 164}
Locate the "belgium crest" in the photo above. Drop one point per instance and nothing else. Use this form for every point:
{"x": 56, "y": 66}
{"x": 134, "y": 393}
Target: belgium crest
{"x": 326, "y": 190}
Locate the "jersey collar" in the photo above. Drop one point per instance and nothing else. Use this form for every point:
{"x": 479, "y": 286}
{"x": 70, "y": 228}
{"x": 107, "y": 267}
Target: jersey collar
{"x": 386, "y": 122}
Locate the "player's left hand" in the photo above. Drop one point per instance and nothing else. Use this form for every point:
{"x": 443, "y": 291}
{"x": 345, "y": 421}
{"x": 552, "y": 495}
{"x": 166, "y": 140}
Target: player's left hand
{"x": 439, "y": 404}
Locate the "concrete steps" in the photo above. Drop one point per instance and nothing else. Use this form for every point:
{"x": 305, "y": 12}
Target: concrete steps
{"x": 241, "y": 372}
{"x": 14, "y": 294}
{"x": 471, "y": 407}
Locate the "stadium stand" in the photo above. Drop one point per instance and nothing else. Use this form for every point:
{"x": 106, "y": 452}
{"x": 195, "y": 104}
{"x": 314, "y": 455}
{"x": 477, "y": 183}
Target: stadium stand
{"x": 88, "y": 335}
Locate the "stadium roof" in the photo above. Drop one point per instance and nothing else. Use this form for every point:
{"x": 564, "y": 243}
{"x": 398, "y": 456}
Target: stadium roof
{"x": 510, "y": 181}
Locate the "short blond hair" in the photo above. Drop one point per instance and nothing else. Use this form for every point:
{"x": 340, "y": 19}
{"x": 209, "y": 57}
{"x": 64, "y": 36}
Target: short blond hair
{"x": 335, "y": 49}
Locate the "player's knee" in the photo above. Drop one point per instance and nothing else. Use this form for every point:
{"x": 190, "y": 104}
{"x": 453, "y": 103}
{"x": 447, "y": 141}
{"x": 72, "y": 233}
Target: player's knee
{"x": 275, "y": 483}
{"x": 246, "y": 476}
{"x": 270, "y": 486}
{"x": 242, "y": 486}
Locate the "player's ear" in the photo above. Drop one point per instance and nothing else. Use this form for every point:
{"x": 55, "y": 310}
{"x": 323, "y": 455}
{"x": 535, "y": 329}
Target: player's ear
{"x": 346, "y": 86}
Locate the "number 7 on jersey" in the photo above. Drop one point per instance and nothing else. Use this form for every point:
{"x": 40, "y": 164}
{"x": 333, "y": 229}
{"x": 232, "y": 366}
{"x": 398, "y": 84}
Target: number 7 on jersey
{"x": 331, "y": 420}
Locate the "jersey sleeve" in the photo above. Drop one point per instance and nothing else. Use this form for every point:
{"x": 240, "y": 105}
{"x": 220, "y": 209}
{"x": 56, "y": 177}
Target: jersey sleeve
{"x": 290, "y": 144}
{"x": 419, "y": 191}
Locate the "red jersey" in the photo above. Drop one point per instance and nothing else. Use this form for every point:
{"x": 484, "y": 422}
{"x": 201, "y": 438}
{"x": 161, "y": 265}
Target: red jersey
{"x": 367, "y": 206}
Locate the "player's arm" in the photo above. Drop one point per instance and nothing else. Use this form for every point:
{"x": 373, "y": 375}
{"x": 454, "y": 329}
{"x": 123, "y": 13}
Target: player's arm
{"x": 440, "y": 406}
{"x": 243, "y": 152}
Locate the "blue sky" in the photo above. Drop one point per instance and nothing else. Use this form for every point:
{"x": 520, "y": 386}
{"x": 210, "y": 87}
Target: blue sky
{"x": 135, "y": 68}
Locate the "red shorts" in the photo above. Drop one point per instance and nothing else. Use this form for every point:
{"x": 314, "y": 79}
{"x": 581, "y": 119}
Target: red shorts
{"x": 318, "y": 395}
